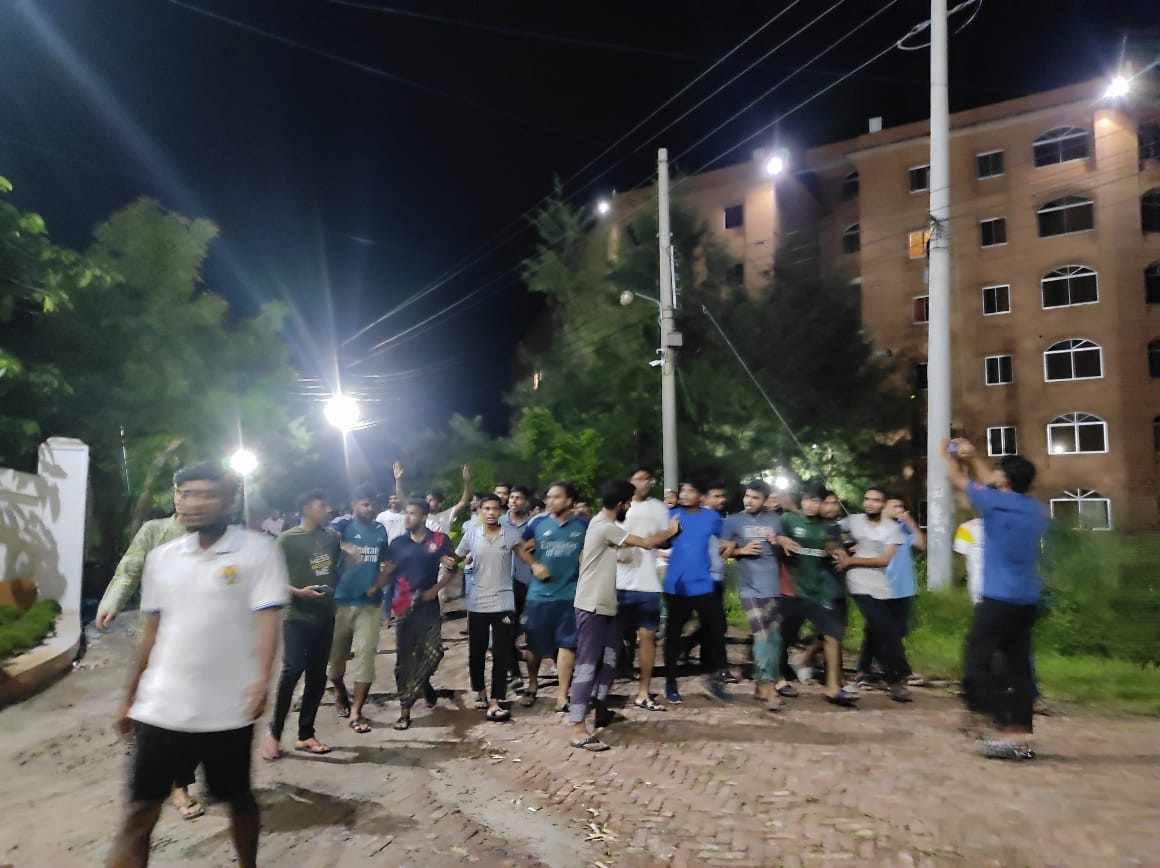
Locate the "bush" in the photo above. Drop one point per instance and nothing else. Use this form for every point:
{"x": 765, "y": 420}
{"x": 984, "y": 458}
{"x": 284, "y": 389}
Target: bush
{"x": 29, "y": 630}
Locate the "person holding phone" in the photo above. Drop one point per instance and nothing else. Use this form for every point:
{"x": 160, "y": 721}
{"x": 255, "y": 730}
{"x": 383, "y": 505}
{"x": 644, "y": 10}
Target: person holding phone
{"x": 312, "y": 552}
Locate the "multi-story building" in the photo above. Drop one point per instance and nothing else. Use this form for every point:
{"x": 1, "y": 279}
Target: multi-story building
{"x": 1055, "y": 296}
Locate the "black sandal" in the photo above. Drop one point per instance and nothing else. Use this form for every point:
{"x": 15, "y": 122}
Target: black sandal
{"x": 402, "y": 723}
{"x": 498, "y": 715}
{"x": 528, "y": 699}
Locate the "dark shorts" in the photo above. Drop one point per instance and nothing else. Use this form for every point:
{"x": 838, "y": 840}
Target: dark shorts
{"x": 639, "y": 610}
{"x": 160, "y": 754}
{"x": 550, "y": 625}
{"x": 797, "y": 610}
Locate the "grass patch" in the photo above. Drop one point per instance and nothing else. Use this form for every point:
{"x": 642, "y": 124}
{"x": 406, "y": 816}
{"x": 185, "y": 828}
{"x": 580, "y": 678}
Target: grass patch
{"x": 27, "y": 629}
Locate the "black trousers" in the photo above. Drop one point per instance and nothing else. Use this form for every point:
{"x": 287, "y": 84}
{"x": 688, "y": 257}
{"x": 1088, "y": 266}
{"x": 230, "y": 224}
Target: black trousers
{"x": 500, "y": 627}
{"x": 888, "y": 641}
{"x": 710, "y": 611}
{"x": 900, "y": 609}
{"x": 1006, "y": 691}
{"x": 305, "y": 651}
{"x": 521, "y": 593}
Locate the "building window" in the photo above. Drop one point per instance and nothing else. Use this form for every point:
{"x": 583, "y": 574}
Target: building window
{"x": 1148, "y": 137}
{"x": 993, "y": 232}
{"x": 734, "y": 216}
{"x": 920, "y": 377}
{"x": 919, "y": 178}
{"x": 1082, "y": 509}
{"x": 1073, "y": 359}
{"x": 1150, "y": 210}
{"x": 1070, "y": 285}
{"x": 996, "y": 299}
{"x": 1154, "y": 359}
{"x": 990, "y": 164}
{"x": 1061, "y": 145}
{"x": 998, "y": 370}
{"x": 1077, "y": 434}
{"x": 852, "y": 238}
{"x": 1152, "y": 283}
{"x": 1156, "y": 434}
{"x": 1066, "y": 216}
{"x": 1001, "y": 441}
{"x": 920, "y": 309}
{"x": 850, "y": 186}
{"x": 916, "y": 243}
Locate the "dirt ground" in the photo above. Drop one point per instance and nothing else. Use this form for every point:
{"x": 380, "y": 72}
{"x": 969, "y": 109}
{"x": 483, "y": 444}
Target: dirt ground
{"x": 701, "y": 784}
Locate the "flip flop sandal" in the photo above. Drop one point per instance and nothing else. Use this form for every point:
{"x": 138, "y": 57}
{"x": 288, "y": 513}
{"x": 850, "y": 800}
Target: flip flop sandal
{"x": 562, "y": 709}
{"x": 317, "y": 748}
{"x": 844, "y": 699}
{"x": 402, "y": 723}
{"x": 270, "y": 759}
{"x": 191, "y": 811}
{"x": 787, "y": 690}
{"x": 591, "y": 743}
{"x": 649, "y": 705}
{"x": 341, "y": 711}
{"x": 498, "y": 715}
{"x": 360, "y": 725}
{"x": 528, "y": 699}
{"x": 480, "y": 703}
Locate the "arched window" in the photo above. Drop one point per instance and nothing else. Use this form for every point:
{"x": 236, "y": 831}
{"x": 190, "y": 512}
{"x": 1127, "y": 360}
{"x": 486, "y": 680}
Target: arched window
{"x": 1154, "y": 359}
{"x": 1077, "y": 434}
{"x": 1065, "y": 216}
{"x": 1152, "y": 283}
{"x": 1082, "y": 509}
{"x": 1061, "y": 145}
{"x": 852, "y": 238}
{"x": 1150, "y": 210}
{"x": 1070, "y": 285}
{"x": 850, "y": 186}
{"x": 1073, "y": 359}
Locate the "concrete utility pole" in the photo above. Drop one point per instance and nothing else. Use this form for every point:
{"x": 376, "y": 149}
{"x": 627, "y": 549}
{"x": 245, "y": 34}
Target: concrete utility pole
{"x": 939, "y": 500}
{"x": 670, "y": 338}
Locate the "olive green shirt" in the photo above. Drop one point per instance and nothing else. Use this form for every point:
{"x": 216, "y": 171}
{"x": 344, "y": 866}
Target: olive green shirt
{"x": 312, "y": 558}
{"x": 127, "y": 577}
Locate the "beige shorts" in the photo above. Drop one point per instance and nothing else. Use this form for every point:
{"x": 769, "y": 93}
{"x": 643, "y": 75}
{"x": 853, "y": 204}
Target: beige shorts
{"x": 356, "y": 634}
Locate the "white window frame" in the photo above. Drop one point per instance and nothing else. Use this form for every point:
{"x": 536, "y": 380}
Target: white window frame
{"x": 1002, "y": 438}
{"x": 1074, "y": 421}
{"x": 983, "y": 298}
{"x": 986, "y": 359}
{"x": 987, "y": 154}
{"x": 1002, "y": 243}
{"x": 1076, "y": 344}
{"x": 918, "y": 189}
{"x": 913, "y": 302}
{"x": 1072, "y": 202}
{"x": 1081, "y": 496}
{"x": 1079, "y": 270}
{"x": 1058, "y": 135}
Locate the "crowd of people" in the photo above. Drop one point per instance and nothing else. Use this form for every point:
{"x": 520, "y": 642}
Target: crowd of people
{"x": 591, "y": 586}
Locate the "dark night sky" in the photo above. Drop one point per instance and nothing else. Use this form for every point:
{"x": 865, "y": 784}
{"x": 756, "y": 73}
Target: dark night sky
{"x": 344, "y": 190}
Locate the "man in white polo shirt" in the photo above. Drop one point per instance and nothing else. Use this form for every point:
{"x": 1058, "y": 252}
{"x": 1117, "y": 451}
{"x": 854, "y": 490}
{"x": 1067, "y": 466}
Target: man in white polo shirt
{"x": 211, "y": 604}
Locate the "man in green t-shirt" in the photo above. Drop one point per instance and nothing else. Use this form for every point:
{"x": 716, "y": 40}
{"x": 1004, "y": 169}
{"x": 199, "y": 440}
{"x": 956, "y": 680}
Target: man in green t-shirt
{"x": 312, "y": 551}
{"x": 808, "y": 544}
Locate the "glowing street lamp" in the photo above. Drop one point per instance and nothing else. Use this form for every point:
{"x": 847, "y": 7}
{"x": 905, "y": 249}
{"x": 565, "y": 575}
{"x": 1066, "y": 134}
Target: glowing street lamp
{"x": 342, "y": 412}
{"x": 775, "y": 165}
{"x": 1118, "y": 87}
{"x": 243, "y": 462}
{"x": 603, "y": 207}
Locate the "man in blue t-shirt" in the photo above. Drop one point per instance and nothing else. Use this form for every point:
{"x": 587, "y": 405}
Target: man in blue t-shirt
{"x": 552, "y": 550}
{"x": 689, "y": 589}
{"x": 361, "y": 580}
{"x": 1016, "y": 524}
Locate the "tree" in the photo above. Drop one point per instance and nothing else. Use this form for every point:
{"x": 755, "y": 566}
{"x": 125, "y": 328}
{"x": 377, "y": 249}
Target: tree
{"x": 800, "y": 335}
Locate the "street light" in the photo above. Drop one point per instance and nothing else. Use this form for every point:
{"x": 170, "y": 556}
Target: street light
{"x": 243, "y": 462}
{"x": 342, "y": 412}
{"x": 627, "y": 296}
{"x": 1118, "y": 87}
{"x": 775, "y": 165}
{"x": 603, "y": 207}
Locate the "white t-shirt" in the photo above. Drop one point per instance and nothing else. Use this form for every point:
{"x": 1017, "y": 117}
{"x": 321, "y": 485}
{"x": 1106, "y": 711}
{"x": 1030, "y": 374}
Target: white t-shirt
{"x": 596, "y": 587}
{"x": 636, "y": 569}
{"x": 205, "y": 655}
{"x": 969, "y": 542}
{"x": 441, "y": 521}
{"x": 871, "y": 540}
{"x": 394, "y": 523}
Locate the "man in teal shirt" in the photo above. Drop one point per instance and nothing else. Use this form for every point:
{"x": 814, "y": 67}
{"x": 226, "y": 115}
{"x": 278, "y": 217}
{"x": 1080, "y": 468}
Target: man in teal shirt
{"x": 553, "y": 552}
{"x": 361, "y": 579}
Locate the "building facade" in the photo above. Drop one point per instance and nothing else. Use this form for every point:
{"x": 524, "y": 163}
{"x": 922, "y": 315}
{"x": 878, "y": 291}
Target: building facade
{"x": 1055, "y": 296}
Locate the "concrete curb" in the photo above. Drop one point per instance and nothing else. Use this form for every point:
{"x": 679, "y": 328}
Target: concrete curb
{"x": 32, "y": 671}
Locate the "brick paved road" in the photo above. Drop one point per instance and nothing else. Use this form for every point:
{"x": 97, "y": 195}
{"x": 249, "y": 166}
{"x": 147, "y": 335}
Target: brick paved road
{"x": 702, "y": 784}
